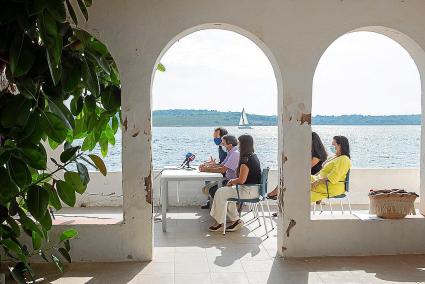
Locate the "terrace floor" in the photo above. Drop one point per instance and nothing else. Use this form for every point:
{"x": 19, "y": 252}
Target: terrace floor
{"x": 188, "y": 253}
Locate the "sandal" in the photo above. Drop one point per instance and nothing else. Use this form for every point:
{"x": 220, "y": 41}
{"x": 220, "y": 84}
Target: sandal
{"x": 272, "y": 197}
{"x": 235, "y": 226}
{"x": 217, "y": 228}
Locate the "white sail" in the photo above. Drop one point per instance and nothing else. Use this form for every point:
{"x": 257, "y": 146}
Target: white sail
{"x": 243, "y": 119}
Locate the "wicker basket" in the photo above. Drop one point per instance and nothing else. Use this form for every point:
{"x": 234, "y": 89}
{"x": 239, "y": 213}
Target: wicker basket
{"x": 392, "y": 205}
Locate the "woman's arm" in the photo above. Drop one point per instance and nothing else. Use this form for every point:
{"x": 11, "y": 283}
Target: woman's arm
{"x": 243, "y": 174}
{"x": 314, "y": 161}
{"x": 318, "y": 182}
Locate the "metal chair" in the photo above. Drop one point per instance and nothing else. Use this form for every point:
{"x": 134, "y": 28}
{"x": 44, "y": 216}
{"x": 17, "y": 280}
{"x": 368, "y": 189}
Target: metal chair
{"x": 262, "y": 195}
{"x": 338, "y": 197}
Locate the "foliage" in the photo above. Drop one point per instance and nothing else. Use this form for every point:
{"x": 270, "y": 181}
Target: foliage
{"x": 57, "y": 84}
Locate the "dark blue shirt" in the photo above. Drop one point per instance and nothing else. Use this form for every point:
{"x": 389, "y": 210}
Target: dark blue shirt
{"x": 221, "y": 154}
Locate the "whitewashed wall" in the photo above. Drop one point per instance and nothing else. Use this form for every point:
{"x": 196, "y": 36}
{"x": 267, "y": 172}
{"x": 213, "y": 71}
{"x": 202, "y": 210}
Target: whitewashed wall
{"x": 293, "y": 35}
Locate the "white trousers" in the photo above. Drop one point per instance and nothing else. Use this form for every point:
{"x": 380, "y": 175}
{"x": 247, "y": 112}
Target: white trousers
{"x": 218, "y": 209}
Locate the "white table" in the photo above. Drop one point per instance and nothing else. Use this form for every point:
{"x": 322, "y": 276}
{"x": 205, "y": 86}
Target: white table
{"x": 181, "y": 175}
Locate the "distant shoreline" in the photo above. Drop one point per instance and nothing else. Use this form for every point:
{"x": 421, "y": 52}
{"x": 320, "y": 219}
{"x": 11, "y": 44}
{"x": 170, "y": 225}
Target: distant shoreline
{"x": 212, "y": 118}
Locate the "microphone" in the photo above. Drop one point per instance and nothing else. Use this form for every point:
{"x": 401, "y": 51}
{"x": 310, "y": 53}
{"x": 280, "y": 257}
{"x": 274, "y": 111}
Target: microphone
{"x": 188, "y": 158}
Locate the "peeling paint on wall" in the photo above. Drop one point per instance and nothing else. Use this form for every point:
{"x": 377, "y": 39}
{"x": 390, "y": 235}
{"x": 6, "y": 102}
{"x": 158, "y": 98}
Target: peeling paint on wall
{"x": 148, "y": 187}
{"x": 136, "y": 132}
{"x": 292, "y": 223}
{"x": 125, "y": 123}
{"x": 305, "y": 117}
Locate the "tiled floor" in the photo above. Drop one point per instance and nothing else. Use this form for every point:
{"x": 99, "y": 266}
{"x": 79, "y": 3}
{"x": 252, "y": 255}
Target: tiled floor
{"x": 188, "y": 253}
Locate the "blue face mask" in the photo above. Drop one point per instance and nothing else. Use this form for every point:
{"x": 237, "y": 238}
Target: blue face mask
{"x": 333, "y": 149}
{"x": 217, "y": 141}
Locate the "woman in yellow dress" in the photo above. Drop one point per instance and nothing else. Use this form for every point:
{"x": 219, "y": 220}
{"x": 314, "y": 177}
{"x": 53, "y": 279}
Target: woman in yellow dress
{"x": 334, "y": 171}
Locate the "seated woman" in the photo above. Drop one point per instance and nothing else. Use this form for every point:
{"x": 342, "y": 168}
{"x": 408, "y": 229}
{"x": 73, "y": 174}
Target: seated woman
{"x": 318, "y": 157}
{"x": 249, "y": 172}
{"x": 334, "y": 171}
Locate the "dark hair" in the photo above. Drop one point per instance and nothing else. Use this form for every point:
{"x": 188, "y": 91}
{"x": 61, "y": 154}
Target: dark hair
{"x": 223, "y": 131}
{"x": 230, "y": 139}
{"x": 246, "y": 145}
{"x": 317, "y": 148}
{"x": 345, "y": 146}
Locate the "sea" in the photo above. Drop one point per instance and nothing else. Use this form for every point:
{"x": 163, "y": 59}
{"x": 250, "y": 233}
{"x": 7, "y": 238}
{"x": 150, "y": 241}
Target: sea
{"x": 377, "y": 146}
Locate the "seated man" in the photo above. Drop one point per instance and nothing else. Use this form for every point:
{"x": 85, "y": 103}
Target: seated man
{"x": 228, "y": 167}
{"x": 218, "y": 134}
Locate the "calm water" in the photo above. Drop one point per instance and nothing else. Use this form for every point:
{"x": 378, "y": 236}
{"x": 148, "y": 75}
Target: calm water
{"x": 371, "y": 146}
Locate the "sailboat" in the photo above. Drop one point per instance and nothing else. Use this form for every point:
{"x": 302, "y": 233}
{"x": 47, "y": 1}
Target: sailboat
{"x": 243, "y": 121}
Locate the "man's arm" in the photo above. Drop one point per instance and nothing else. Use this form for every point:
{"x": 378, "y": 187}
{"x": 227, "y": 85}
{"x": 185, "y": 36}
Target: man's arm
{"x": 214, "y": 169}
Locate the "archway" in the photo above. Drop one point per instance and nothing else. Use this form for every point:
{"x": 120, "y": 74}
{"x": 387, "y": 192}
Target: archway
{"x": 367, "y": 87}
{"x": 262, "y": 49}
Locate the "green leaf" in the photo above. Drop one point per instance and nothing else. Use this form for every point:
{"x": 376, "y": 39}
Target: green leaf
{"x": 77, "y": 104}
{"x": 57, "y": 10}
{"x": 8, "y": 188}
{"x": 27, "y": 87}
{"x": 35, "y": 156}
{"x": 58, "y": 263}
{"x": 4, "y": 213}
{"x": 28, "y": 223}
{"x": 55, "y": 68}
{"x": 19, "y": 172}
{"x": 84, "y": 173}
{"x": 66, "y": 193}
{"x": 160, "y": 67}
{"x": 111, "y": 98}
{"x": 53, "y": 196}
{"x": 90, "y": 77}
{"x": 100, "y": 60}
{"x": 83, "y": 9}
{"x": 110, "y": 135}
{"x": 37, "y": 200}
{"x": 67, "y": 245}
{"x": 72, "y": 12}
{"x": 89, "y": 142}
{"x": 74, "y": 180}
{"x": 88, "y": 2}
{"x": 71, "y": 76}
{"x": 36, "y": 241}
{"x": 11, "y": 245}
{"x": 21, "y": 57}
{"x": 103, "y": 142}
{"x": 46, "y": 221}
{"x": 57, "y": 107}
{"x": 17, "y": 112}
{"x": 54, "y": 127}
{"x": 68, "y": 235}
{"x": 53, "y": 144}
{"x": 68, "y": 154}
{"x": 115, "y": 124}
{"x": 13, "y": 225}
{"x": 65, "y": 254}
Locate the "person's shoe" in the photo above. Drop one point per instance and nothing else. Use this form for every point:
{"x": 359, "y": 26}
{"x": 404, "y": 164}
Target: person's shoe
{"x": 217, "y": 228}
{"x": 235, "y": 226}
{"x": 206, "y": 206}
{"x": 272, "y": 197}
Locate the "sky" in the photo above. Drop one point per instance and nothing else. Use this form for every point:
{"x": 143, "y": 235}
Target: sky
{"x": 360, "y": 73}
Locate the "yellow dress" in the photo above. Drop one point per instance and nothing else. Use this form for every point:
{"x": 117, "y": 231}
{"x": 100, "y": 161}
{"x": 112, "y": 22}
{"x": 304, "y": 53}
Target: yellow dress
{"x": 335, "y": 170}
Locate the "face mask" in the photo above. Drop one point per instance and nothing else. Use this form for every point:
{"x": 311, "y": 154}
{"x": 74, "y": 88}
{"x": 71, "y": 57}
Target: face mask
{"x": 333, "y": 149}
{"x": 217, "y": 141}
{"x": 224, "y": 148}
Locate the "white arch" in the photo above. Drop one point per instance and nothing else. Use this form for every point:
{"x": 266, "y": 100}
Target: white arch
{"x": 417, "y": 53}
